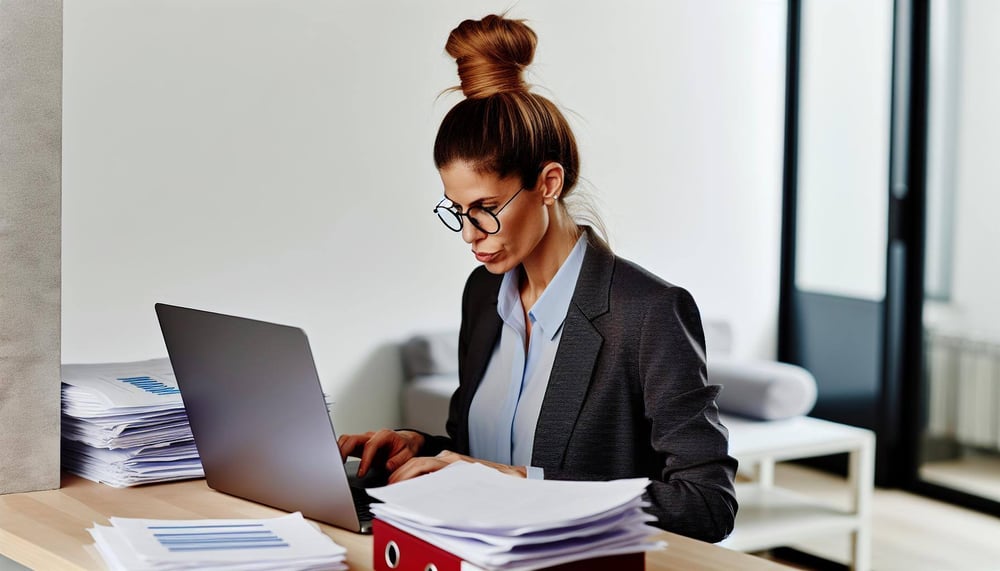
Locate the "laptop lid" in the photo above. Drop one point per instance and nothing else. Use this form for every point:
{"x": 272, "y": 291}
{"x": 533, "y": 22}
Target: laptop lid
{"x": 257, "y": 412}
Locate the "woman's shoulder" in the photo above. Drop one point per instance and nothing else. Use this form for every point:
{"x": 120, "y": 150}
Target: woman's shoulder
{"x": 630, "y": 275}
{"x": 634, "y": 283}
{"x": 637, "y": 295}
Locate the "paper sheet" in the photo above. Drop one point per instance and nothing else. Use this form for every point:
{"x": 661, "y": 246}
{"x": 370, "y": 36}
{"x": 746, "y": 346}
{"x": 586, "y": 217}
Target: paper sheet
{"x": 286, "y": 542}
{"x": 453, "y": 497}
{"x": 97, "y": 389}
{"x": 626, "y": 517}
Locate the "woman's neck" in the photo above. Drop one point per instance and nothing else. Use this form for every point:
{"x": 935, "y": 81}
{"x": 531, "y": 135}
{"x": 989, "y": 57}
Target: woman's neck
{"x": 538, "y": 269}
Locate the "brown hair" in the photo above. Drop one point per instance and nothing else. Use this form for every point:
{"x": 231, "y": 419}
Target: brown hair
{"x": 501, "y": 127}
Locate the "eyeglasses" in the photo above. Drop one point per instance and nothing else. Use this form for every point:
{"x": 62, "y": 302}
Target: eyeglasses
{"x": 482, "y": 218}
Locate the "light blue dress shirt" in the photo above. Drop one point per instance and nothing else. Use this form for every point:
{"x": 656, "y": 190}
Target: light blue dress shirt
{"x": 504, "y": 410}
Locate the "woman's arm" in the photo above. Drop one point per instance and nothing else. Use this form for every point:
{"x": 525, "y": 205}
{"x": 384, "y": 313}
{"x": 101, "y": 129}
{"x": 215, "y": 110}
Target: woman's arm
{"x": 671, "y": 431}
{"x": 694, "y": 495}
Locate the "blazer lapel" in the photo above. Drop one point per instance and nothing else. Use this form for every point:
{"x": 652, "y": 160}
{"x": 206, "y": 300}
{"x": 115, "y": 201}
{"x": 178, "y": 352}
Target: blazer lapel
{"x": 574, "y": 362}
{"x": 481, "y": 344}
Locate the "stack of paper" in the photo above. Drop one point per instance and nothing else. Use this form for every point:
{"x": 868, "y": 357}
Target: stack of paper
{"x": 496, "y": 521}
{"x": 286, "y": 542}
{"x": 124, "y": 424}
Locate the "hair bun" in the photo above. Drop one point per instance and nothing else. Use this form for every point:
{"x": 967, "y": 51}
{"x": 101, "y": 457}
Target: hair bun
{"x": 491, "y": 54}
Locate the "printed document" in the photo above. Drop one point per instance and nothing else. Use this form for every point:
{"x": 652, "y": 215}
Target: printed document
{"x": 286, "y": 542}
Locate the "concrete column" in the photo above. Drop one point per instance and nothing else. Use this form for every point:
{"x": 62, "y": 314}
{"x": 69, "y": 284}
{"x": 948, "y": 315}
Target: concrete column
{"x": 30, "y": 248}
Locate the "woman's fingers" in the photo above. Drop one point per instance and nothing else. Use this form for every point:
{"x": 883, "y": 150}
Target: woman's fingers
{"x": 417, "y": 466}
{"x": 351, "y": 444}
{"x": 399, "y": 458}
{"x": 400, "y": 449}
{"x": 421, "y": 465}
{"x": 395, "y": 446}
{"x": 449, "y": 457}
{"x": 384, "y": 439}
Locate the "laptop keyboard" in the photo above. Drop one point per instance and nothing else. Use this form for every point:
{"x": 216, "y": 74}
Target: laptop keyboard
{"x": 362, "y": 502}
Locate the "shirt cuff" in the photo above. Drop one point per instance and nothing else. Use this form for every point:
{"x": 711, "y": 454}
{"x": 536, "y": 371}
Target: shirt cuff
{"x": 535, "y": 473}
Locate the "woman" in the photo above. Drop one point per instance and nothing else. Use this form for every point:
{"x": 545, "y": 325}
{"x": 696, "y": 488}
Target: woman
{"x": 573, "y": 363}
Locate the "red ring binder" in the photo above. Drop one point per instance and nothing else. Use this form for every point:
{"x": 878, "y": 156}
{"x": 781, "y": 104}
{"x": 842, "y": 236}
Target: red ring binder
{"x": 414, "y": 554}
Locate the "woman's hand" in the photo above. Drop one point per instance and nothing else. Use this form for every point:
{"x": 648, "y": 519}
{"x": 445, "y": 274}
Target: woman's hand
{"x": 396, "y": 446}
{"x": 426, "y": 464}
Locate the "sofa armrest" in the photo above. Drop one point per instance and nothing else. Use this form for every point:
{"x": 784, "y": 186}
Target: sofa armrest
{"x": 425, "y": 402}
{"x": 764, "y": 390}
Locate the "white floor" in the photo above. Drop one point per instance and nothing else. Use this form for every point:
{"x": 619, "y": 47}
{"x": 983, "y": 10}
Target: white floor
{"x": 977, "y": 474}
{"x": 911, "y": 533}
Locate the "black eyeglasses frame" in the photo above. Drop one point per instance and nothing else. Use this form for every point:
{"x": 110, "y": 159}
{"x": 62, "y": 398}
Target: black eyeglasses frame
{"x": 457, "y": 215}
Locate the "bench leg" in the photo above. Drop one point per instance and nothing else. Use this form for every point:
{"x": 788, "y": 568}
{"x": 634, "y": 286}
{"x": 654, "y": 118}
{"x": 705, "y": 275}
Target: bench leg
{"x": 861, "y": 477}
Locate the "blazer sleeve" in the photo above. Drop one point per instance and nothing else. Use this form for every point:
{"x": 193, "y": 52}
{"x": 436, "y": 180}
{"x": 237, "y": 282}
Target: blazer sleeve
{"x": 694, "y": 495}
{"x": 676, "y": 435}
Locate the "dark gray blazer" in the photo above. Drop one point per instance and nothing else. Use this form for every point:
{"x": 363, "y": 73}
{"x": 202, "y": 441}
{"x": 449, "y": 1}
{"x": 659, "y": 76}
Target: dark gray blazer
{"x": 627, "y": 396}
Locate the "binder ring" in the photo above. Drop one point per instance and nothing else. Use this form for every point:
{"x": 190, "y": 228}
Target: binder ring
{"x": 431, "y": 567}
{"x": 392, "y": 554}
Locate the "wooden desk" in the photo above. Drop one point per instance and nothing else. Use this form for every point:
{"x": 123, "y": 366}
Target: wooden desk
{"x": 48, "y": 530}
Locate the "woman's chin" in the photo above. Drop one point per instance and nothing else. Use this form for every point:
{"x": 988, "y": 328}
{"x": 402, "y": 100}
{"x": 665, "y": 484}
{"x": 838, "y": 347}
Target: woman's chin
{"x": 498, "y": 266}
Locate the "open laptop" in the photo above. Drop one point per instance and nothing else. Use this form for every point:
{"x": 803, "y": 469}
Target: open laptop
{"x": 258, "y": 416}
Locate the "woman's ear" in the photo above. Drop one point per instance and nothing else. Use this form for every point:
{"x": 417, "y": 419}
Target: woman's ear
{"x": 551, "y": 179}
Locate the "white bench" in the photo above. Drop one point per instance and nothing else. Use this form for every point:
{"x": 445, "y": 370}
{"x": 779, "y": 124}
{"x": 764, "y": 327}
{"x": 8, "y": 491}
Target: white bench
{"x": 770, "y": 516}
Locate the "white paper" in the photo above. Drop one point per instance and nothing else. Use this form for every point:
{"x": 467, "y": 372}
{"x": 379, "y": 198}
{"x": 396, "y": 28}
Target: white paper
{"x": 98, "y": 388}
{"x": 122, "y": 468}
{"x": 124, "y": 424}
{"x": 454, "y": 497}
{"x": 630, "y": 516}
{"x": 286, "y": 542}
{"x": 499, "y": 522}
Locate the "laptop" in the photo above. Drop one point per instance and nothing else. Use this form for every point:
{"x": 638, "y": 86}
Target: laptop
{"x": 258, "y": 415}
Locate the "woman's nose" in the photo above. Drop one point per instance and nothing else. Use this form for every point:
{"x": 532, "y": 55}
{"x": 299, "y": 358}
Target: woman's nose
{"x": 469, "y": 232}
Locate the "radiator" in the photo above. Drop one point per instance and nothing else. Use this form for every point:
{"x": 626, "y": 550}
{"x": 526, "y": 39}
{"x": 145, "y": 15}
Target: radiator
{"x": 963, "y": 381}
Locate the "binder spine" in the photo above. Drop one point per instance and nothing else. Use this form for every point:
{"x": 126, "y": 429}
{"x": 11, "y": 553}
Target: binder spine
{"x": 396, "y": 550}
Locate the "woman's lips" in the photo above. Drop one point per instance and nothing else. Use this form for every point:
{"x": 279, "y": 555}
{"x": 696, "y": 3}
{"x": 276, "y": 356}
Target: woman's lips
{"x": 485, "y": 257}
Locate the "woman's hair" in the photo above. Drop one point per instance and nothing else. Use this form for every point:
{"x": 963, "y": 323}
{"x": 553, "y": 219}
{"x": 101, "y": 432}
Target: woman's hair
{"x": 501, "y": 127}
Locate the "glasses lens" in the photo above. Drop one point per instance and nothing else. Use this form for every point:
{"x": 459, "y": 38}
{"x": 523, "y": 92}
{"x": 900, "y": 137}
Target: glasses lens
{"x": 484, "y": 220}
{"x": 450, "y": 219}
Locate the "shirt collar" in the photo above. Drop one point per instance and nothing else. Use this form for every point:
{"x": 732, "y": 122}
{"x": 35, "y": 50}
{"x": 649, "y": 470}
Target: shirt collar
{"x": 549, "y": 311}
{"x": 508, "y": 300}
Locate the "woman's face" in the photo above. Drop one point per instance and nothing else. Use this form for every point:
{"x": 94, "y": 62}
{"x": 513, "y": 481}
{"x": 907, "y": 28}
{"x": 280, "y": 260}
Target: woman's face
{"x": 523, "y": 221}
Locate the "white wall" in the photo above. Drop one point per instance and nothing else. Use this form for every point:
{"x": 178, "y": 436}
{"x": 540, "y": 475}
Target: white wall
{"x": 273, "y": 159}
